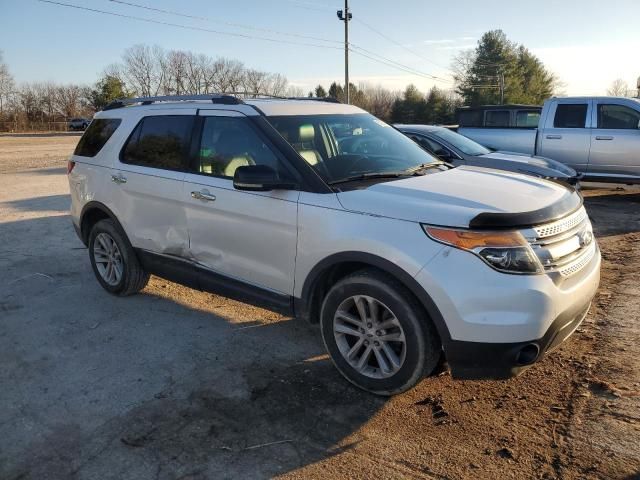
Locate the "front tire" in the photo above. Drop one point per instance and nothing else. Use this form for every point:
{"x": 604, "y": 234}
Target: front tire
{"x": 377, "y": 334}
{"x": 113, "y": 260}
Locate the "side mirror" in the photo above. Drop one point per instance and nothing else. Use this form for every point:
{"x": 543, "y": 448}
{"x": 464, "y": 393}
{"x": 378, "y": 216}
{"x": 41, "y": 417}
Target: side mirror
{"x": 259, "y": 178}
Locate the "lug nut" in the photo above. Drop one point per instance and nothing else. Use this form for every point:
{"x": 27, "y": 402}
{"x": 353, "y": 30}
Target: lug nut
{"x": 376, "y": 343}
{"x": 378, "y": 333}
{"x": 369, "y": 325}
{"x": 366, "y": 343}
{"x": 361, "y": 330}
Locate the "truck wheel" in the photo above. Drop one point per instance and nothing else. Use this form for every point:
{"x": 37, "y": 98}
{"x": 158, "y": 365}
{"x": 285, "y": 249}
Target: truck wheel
{"x": 113, "y": 260}
{"x": 377, "y": 334}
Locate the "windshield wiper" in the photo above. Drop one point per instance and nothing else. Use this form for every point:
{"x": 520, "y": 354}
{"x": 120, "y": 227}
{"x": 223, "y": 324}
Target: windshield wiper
{"x": 366, "y": 176}
{"x": 423, "y": 167}
{"x": 402, "y": 173}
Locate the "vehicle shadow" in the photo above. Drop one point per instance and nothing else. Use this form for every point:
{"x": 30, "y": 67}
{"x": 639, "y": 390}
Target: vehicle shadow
{"x": 45, "y": 171}
{"x": 40, "y": 204}
{"x": 42, "y": 134}
{"x": 614, "y": 214}
{"x": 169, "y": 383}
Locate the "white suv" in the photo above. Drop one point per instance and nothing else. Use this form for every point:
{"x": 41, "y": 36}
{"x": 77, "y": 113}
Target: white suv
{"x": 319, "y": 210}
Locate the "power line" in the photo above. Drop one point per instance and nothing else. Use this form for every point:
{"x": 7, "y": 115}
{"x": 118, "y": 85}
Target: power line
{"x": 231, "y": 24}
{"x": 389, "y": 39}
{"x": 189, "y": 27}
{"x": 184, "y": 15}
{"x": 401, "y": 65}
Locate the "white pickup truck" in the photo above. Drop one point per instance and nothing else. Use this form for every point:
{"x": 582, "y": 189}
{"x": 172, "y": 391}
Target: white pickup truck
{"x": 597, "y": 136}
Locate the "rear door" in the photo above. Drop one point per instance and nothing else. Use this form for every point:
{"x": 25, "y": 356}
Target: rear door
{"x": 615, "y": 140}
{"x": 566, "y": 134}
{"x": 246, "y": 236}
{"x": 149, "y": 175}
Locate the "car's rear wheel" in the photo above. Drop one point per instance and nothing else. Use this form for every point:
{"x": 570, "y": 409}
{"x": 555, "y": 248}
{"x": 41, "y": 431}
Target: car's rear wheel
{"x": 377, "y": 334}
{"x": 113, "y": 260}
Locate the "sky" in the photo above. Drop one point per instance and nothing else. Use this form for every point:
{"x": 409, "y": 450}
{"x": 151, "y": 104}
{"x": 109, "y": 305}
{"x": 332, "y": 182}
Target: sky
{"x": 587, "y": 43}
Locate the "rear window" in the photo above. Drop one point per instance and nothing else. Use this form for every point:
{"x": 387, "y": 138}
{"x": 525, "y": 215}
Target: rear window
{"x": 497, "y": 118}
{"x": 569, "y": 115}
{"x": 160, "y": 142}
{"x": 94, "y": 138}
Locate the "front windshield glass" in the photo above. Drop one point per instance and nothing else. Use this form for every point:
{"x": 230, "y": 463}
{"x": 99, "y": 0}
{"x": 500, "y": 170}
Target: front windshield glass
{"x": 343, "y": 146}
{"x": 462, "y": 143}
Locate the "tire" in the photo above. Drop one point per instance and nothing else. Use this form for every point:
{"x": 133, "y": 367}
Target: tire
{"x": 391, "y": 313}
{"x": 126, "y": 275}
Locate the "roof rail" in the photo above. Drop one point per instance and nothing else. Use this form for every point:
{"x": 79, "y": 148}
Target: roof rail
{"x": 214, "y": 98}
{"x": 257, "y": 95}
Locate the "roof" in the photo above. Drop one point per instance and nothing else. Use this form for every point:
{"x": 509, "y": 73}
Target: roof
{"x": 510, "y": 106}
{"x": 249, "y": 106}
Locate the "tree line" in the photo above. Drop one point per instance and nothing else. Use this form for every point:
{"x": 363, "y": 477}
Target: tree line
{"x": 496, "y": 70}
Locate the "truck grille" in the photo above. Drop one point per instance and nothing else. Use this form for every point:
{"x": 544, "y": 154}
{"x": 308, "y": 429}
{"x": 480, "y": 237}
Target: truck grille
{"x": 564, "y": 246}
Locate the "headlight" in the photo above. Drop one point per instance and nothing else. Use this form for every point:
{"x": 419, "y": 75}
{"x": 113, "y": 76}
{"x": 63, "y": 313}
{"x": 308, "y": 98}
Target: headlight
{"x": 506, "y": 251}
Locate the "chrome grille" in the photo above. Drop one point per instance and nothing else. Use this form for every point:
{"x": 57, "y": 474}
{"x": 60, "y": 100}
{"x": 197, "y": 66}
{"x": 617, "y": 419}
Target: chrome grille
{"x": 564, "y": 246}
{"x": 561, "y": 225}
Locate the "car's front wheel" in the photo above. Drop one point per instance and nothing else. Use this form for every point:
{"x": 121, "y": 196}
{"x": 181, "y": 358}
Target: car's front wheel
{"x": 113, "y": 260}
{"x": 377, "y": 334}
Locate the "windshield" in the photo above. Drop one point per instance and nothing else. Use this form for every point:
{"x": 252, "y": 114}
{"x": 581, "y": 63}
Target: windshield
{"x": 343, "y": 146}
{"x": 462, "y": 143}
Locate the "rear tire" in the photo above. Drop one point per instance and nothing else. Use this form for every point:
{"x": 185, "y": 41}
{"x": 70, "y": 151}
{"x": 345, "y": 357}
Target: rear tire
{"x": 114, "y": 261}
{"x": 377, "y": 334}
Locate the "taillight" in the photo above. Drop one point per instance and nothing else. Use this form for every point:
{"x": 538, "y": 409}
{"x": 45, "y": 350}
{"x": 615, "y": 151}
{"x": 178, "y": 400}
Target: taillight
{"x": 70, "y": 165}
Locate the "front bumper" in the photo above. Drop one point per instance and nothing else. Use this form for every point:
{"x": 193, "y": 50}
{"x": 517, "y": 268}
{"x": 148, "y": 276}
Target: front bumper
{"x": 478, "y": 360}
{"x": 498, "y": 324}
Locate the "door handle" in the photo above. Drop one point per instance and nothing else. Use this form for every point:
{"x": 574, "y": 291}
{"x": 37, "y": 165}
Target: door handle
{"x": 604, "y": 137}
{"x": 203, "y": 195}
{"x": 554, "y": 137}
{"x": 118, "y": 179}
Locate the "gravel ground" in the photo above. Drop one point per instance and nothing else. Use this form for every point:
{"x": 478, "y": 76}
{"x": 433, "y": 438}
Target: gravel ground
{"x": 174, "y": 383}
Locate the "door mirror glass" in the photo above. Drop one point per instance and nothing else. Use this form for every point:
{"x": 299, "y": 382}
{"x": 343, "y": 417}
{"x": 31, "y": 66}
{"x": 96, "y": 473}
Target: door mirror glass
{"x": 259, "y": 178}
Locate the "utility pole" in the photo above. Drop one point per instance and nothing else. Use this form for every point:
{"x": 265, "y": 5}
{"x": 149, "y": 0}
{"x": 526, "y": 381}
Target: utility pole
{"x": 345, "y": 16}
{"x": 501, "y": 80}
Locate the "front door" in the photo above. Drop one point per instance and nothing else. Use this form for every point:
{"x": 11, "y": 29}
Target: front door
{"x": 615, "y": 140}
{"x": 246, "y": 236}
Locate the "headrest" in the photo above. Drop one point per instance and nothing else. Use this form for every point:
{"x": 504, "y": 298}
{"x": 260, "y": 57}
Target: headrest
{"x": 306, "y": 133}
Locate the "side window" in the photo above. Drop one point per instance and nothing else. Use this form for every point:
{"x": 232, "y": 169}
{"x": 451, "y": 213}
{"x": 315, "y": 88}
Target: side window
{"x": 160, "y": 142}
{"x": 230, "y": 142}
{"x": 570, "y": 115}
{"x": 96, "y": 136}
{"x": 470, "y": 118}
{"x": 428, "y": 144}
{"x": 618, "y": 117}
{"x": 496, "y": 118}
{"x": 527, "y": 118}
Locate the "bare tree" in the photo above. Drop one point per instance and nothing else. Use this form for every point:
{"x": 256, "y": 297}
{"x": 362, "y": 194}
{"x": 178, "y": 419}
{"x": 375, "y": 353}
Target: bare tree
{"x": 140, "y": 70}
{"x": 378, "y": 100}
{"x": 70, "y": 100}
{"x": 619, "y": 88}
{"x": 7, "y": 85}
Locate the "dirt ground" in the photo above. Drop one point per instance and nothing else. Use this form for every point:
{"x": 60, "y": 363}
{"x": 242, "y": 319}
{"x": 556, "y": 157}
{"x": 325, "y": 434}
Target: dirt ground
{"x": 174, "y": 383}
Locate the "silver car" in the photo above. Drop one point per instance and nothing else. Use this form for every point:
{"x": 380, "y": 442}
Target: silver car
{"x": 460, "y": 150}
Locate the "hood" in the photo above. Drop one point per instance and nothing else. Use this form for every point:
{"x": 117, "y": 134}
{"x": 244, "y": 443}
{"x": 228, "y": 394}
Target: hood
{"x": 539, "y": 162}
{"x": 455, "y": 197}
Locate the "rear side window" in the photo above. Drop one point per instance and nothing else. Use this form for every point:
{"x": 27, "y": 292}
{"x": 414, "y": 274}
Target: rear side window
{"x": 497, "y": 118}
{"x": 96, "y": 136}
{"x": 570, "y": 115}
{"x": 618, "y": 117}
{"x": 160, "y": 142}
{"x": 527, "y": 118}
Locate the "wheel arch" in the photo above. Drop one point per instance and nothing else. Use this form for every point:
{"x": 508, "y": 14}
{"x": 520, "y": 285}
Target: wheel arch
{"x": 338, "y": 265}
{"x": 92, "y": 213}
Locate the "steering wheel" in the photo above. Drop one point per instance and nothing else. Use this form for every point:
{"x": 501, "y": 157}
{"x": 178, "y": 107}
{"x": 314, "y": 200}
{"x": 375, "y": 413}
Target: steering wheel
{"x": 363, "y": 145}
